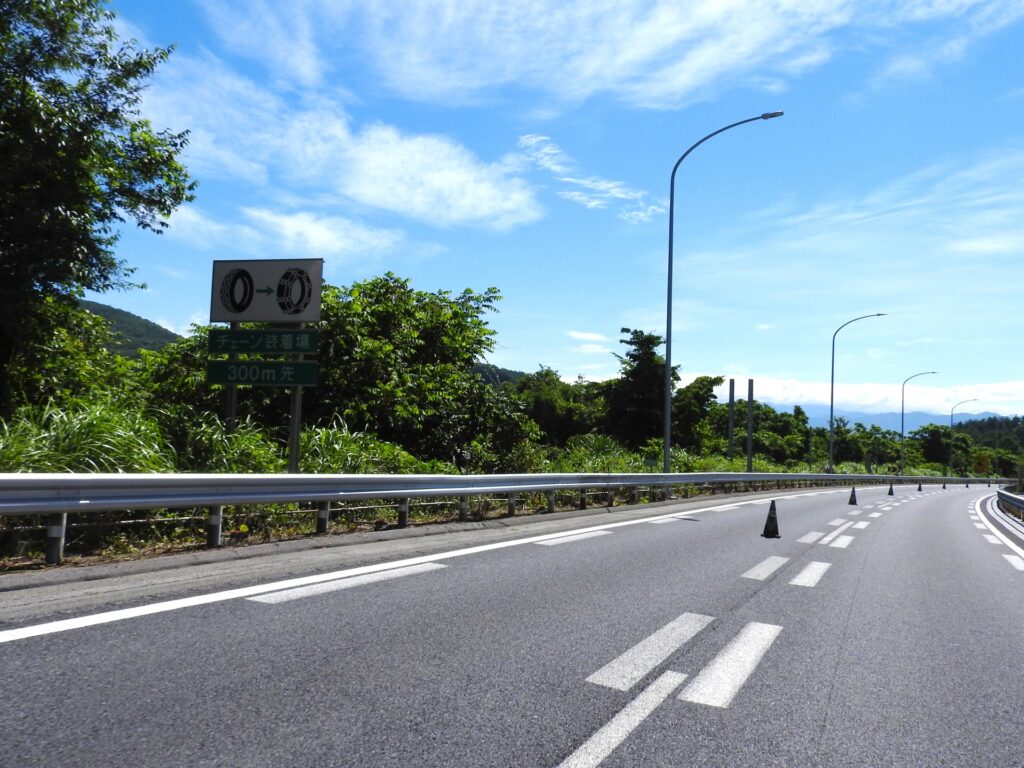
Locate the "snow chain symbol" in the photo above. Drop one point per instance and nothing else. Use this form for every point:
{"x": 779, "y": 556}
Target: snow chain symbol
{"x": 294, "y": 291}
{"x": 237, "y": 290}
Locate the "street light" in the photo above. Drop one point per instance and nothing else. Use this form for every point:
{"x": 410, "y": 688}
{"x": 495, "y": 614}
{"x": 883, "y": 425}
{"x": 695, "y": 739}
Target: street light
{"x": 949, "y": 468}
{"x": 668, "y": 321}
{"x": 903, "y": 399}
{"x": 832, "y": 391}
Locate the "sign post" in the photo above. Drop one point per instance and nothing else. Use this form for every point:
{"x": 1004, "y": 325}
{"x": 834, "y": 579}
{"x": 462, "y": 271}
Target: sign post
{"x": 279, "y": 291}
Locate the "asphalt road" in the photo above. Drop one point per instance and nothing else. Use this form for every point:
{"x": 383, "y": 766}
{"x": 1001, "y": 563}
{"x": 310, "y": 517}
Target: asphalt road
{"x": 885, "y": 633}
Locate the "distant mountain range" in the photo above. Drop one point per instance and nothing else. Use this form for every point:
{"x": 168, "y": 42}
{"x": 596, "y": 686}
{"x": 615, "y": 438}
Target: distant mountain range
{"x": 817, "y": 416}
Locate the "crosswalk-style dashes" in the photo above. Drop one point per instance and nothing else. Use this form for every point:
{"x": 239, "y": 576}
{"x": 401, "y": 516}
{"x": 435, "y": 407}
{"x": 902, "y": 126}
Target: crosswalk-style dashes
{"x": 810, "y": 575}
{"x": 766, "y": 568}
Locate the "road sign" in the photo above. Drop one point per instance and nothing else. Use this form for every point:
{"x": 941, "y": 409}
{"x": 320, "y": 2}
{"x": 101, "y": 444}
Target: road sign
{"x": 264, "y": 342}
{"x": 262, "y": 373}
{"x": 266, "y": 291}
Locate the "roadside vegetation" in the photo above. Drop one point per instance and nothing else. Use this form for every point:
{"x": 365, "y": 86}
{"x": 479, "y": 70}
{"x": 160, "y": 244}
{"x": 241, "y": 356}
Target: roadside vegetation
{"x": 403, "y": 383}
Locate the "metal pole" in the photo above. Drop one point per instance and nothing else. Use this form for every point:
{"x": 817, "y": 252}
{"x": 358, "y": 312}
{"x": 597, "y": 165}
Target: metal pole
{"x": 949, "y": 468}
{"x": 750, "y": 425}
{"x": 232, "y": 421}
{"x": 832, "y": 392}
{"x": 732, "y": 415}
{"x": 667, "y": 418}
{"x": 903, "y": 399}
{"x": 295, "y": 428}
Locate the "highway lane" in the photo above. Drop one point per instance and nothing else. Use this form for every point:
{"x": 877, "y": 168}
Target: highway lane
{"x": 670, "y": 642}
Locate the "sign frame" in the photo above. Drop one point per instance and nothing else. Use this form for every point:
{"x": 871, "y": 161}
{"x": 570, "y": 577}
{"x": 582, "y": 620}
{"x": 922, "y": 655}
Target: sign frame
{"x": 266, "y": 291}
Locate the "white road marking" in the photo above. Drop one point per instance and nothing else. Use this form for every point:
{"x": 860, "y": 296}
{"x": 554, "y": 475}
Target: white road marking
{"x": 766, "y": 568}
{"x": 861, "y": 525}
{"x": 842, "y": 542}
{"x": 837, "y": 521}
{"x": 869, "y": 506}
{"x": 811, "y": 537}
{"x": 853, "y": 512}
{"x": 810, "y": 575}
{"x": 92, "y": 620}
{"x": 334, "y": 586}
{"x": 836, "y": 532}
{"x": 572, "y": 537}
{"x": 991, "y": 539}
{"x": 661, "y": 520}
{"x": 632, "y": 666}
{"x": 595, "y": 749}
{"x": 980, "y": 525}
{"x": 875, "y": 514}
{"x": 720, "y": 681}
{"x": 1015, "y": 561}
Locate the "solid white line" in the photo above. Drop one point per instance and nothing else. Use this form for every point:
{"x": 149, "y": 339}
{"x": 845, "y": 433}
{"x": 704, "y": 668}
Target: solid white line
{"x": 991, "y": 539}
{"x": 837, "y": 521}
{"x": 766, "y": 568}
{"x": 595, "y": 749}
{"x": 810, "y": 575}
{"x": 842, "y": 542}
{"x": 661, "y": 520}
{"x": 632, "y": 666}
{"x": 861, "y": 525}
{"x": 836, "y": 532}
{"x": 720, "y": 681}
{"x": 875, "y": 514}
{"x": 334, "y": 586}
{"x": 572, "y": 537}
{"x": 1015, "y": 561}
{"x": 811, "y": 537}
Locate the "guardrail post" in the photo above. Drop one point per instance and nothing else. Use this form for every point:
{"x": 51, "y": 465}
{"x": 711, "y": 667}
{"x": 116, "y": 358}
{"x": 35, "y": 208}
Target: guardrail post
{"x": 56, "y": 526}
{"x": 463, "y": 508}
{"x": 323, "y": 516}
{"x": 214, "y": 523}
{"x": 632, "y": 494}
{"x": 611, "y": 497}
{"x": 511, "y": 504}
{"x": 551, "y": 501}
{"x": 583, "y": 498}
{"x": 403, "y": 513}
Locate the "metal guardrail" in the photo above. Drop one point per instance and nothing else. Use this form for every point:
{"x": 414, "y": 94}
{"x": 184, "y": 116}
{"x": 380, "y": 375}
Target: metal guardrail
{"x": 57, "y": 495}
{"x": 1012, "y": 500}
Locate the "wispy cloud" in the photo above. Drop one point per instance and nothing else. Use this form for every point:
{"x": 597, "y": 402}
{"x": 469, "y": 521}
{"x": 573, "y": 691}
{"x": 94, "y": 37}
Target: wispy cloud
{"x": 591, "y": 192}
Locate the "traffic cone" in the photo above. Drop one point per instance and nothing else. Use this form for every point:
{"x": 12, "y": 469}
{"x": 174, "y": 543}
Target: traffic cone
{"x": 967, "y": 484}
{"x": 853, "y": 495}
{"x": 890, "y": 490}
{"x": 918, "y": 487}
{"x": 943, "y": 486}
{"x": 771, "y": 525}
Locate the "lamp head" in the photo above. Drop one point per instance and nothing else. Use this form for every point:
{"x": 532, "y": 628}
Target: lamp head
{"x": 770, "y": 115}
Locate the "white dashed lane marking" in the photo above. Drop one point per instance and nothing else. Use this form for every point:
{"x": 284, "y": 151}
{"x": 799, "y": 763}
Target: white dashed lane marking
{"x": 875, "y": 514}
{"x": 572, "y": 537}
{"x": 1016, "y": 561}
{"x": 632, "y": 666}
{"x": 718, "y": 683}
{"x": 766, "y": 568}
{"x": 595, "y": 749}
{"x": 842, "y": 542}
{"x": 837, "y": 521}
{"x": 810, "y": 575}
{"x": 810, "y": 538}
{"x": 992, "y": 539}
{"x": 836, "y": 532}
{"x": 861, "y": 525}
{"x": 334, "y": 586}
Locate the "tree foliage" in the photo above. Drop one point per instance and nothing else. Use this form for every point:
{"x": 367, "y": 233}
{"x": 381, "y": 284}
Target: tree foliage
{"x": 636, "y": 399}
{"x": 78, "y": 158}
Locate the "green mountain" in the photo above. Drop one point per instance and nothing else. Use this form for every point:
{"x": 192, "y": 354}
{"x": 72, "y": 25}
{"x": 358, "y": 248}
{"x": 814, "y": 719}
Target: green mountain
{"x": 135, "y": 332}
{"x": 494, "y": 375}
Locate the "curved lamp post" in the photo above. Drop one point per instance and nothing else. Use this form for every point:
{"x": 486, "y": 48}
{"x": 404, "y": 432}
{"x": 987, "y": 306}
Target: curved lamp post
{"x": 903, "y": 400}
{"x": 668, "y": 321}
{"x": 949, "y": 469}
{"x": 832, "y": 391}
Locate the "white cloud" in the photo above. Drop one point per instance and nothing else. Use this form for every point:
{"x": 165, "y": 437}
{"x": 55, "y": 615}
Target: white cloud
{"x": 592, "y": 349}
{"x": 324, "y": 236}
{"x": 586, "y": 336}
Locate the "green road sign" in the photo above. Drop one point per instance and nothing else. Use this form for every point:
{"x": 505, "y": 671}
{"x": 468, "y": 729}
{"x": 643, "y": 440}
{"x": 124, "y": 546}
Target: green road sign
{"x": 262, "y": 373}
{"x": 264, "y": 342}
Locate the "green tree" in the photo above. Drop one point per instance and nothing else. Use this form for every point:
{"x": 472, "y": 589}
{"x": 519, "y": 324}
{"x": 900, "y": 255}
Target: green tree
{"x": 561, "y": 410}
{"x": 636, "y": 399}
{"x": 691, "y": 406}
{"x": 78, "y": 159}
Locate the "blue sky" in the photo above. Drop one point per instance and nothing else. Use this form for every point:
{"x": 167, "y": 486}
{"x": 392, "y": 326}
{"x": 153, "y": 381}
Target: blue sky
{"x": 528, "y": 146}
